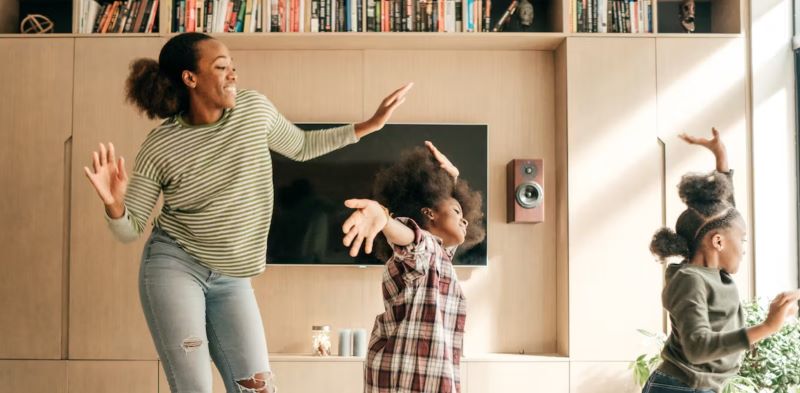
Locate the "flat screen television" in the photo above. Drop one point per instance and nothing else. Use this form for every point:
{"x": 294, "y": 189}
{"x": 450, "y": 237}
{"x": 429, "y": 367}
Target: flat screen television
{"x": 309, "y": 196}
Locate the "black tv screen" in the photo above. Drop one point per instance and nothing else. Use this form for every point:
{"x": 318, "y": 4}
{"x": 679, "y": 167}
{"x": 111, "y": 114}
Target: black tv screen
{"x": 309, "y": 196}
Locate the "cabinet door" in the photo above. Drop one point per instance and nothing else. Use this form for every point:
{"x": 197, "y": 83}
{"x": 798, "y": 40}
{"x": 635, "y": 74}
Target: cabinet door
{"x": 614, "y": 193}
{"x": 113, "y": 376}
{"x": 37, "y": 122}
{"x": 319, "y": 376}
{"x": 33, "y": 376}
{"x": 522, "y": 377}
{"x": 601, "y": 377}
{"x": 106, "y": 320}
{"x": 701, "y": 84}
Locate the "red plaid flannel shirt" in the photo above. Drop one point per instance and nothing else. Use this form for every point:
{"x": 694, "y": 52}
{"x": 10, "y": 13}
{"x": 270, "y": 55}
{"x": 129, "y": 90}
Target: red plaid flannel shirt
{"x": 416, "y": 343}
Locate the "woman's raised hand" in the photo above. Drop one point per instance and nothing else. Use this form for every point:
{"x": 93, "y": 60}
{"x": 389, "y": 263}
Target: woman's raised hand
{"x": 384, "y": 111}
{"x": 109, "y": 178}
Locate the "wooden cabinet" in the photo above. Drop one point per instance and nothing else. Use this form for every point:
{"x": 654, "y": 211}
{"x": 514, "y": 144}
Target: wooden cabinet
{"x": 112, "y": 376}
{"x": 106, "y": 320}
{"x": 628, "y": 100}
{"x": 36, "y": 108}
{"x": 517, "y": 375}
{"x": 601, "y": 377}
{"x": 614, "y": 165}
{"x": 34, "y": 376}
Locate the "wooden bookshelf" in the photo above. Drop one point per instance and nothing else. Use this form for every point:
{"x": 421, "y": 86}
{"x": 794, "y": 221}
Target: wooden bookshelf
{"x": 552, "y": 19}
{"x": 548, "y": 17}
{"x": 712, "y": 17}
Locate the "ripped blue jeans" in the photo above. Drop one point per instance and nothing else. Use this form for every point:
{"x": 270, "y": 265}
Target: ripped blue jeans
{"x": 195, "y": 316}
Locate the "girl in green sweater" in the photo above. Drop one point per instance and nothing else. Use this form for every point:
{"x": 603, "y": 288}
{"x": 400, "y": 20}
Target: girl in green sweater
{"x": 708, "y": 336}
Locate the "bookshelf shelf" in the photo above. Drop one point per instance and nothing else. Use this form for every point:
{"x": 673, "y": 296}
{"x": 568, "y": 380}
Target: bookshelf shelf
{"x": 394, "y": 41}
{"x": 390, "y": 41}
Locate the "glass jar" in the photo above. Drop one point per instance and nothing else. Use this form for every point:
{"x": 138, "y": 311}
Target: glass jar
{"x": 321, "y": 340}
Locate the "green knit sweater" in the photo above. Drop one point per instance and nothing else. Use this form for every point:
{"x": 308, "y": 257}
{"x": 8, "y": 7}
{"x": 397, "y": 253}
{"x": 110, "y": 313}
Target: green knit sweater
{"x": 216, "y": 180}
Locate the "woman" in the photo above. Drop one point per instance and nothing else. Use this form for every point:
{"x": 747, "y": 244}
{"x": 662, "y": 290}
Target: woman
{"x": 210, "y": 159}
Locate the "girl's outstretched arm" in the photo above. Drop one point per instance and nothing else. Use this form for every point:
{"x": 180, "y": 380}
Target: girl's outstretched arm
{"x": 364, "y": 224}
{"x": 714, "y": 144}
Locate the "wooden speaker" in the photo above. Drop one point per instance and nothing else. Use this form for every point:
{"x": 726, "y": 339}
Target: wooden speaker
{"x": 525, "y": 191}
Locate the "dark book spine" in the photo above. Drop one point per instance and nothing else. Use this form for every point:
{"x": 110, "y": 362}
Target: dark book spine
{"x": 134, "y": 10}
{"x": 99, "y": 18}
{"x": 360, "y": 15}
{"x": 459, "y": 17}
{"x": 419, "y": 15}
{"x": 341, "y": 17}
{"x": 146, "y": 17}
{"x": 429, "y": 15}
{"x": 370, "y": 15}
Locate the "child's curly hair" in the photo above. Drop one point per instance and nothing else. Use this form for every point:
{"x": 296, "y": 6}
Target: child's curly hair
{"x": 710, "y": 206}
{"x": 417, "y": 181}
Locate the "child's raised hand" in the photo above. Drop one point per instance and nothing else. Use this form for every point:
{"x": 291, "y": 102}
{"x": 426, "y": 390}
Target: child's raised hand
{"x": 444, "y": 163}
{"x": 714, "y": 144}
{"x": 363, "y": 225}
{"x": 781, "y": 308}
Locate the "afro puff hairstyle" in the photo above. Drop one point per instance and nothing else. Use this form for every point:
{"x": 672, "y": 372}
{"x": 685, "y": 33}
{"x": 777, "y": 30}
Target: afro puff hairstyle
{"x": 417, "y": 181}
{"x": 710, "y": 206}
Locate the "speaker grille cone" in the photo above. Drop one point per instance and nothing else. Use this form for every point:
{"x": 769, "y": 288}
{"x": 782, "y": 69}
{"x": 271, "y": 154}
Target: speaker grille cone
{"x": 529, "y": 195}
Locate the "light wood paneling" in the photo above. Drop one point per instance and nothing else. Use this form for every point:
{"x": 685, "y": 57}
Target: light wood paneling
{"x": 601, "y": 377}
{"x": 113, "y": 376}
{"x": 306, "y": 86}
{"x": 518, "y": 377}
{"x": 216, "y": 380}
{"x": 9, "y": 16}
{"x": 562, "y": 202}
{"x": 701, "y": 84}
{"x": 512, "y": 303}
{"x": 726, "y": 17}
{"x": 106, "y": 320}
{"x": 614, "y": 196}
{"x": 560, "y": 16}
{"x": 33, "y": 376}
{"x": 37, "y": 123}
{"x": 293, "y": 299}
{"x": 335, "y": 376}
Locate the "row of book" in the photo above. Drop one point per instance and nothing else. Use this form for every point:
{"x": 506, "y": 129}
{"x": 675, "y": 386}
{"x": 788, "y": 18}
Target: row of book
{"x": 129, "y": 16}
{"x": 331, "y": 15}
{"x": 612, "y": 16}
{"x": 218, "y": 16}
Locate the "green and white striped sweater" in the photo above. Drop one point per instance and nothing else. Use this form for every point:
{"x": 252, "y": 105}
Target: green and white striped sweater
{"x": 217, "y": 181}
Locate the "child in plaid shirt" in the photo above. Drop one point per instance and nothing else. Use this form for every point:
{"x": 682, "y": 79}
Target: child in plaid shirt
{"x": 417, "y": 341}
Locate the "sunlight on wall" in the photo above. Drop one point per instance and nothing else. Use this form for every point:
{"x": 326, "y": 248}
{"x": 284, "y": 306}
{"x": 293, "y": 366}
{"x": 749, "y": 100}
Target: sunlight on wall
{"x": 709, "y": 94}
{"x": 774, "y": 155}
